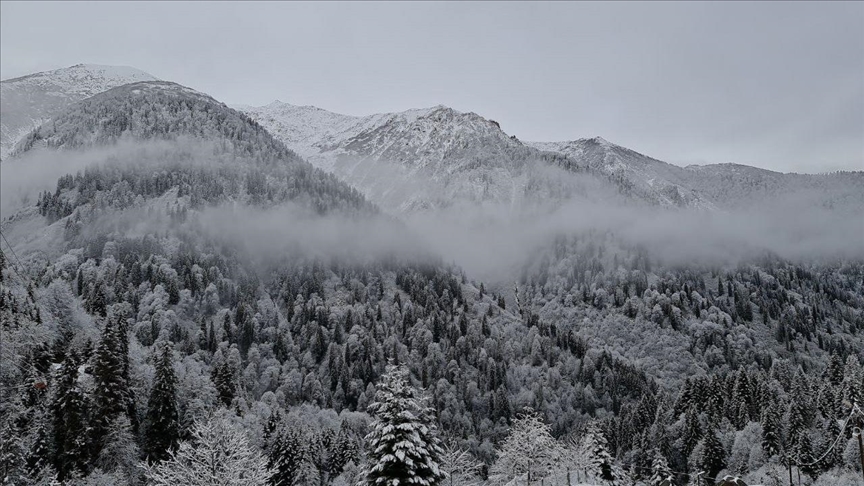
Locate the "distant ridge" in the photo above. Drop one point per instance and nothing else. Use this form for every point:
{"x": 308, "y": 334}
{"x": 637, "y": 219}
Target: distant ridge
{"x": 28, "y": 101}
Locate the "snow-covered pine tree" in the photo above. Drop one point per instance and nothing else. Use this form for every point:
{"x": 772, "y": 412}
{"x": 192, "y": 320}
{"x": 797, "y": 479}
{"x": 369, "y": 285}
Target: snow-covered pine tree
{"x": 403, "y": 445}
{"x": 272, "y": 426}
{"x": 833, "y": 457}
{"x": 853, "y": 382}
{"x": 797, "y": 430}
{"x": 163, "y": 425}
{"x": 223, "y": 379}
{"x": 344, "y": 451}
{"x": 12, "y": 452}
{"x": 692, "y": 432}
{"x": 40, "y": 454}
{"x": 110, "y": 391}
{"x": 596, "y": 449}
{"x": 803, "y": 455}
{"x": 771, "y": 431}
{"x": 713, "y": 455}
{"x": 286, "y": 457}
{"x": 661, "y": 475}
{"x": 120, "y": 453}
{"x": 69, "y": 408}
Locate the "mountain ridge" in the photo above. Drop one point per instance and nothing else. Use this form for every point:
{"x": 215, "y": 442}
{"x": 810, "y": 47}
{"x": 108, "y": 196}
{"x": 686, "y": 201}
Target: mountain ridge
{"x": 422, "y": 141}
{"x": 30, "y": 100}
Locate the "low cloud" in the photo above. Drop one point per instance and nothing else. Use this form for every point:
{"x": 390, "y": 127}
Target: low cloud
{"x": 490, "y": 241}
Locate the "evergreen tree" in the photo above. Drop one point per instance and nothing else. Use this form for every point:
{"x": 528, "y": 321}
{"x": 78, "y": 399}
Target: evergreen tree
{"x": 797, "y": 426}
{"x": 692, "y": 432}
{"x": 96, "y": 303}
{"x": 835, "y": 456}
{"x": 713, "y": 455}
{"x": 286, "y": 458}
{"x": 661, "y": 475}
{"x": 247, "y": 334}
{"x": 223, "y": 379}
{"x": 110, "y": 392}
{"x": 403, "y": 444}
{"x": 771, "y": 431}
{"x": 803, "y": 455}
{"x": 69, "y": 408}
{"x": 344, "y": 451}
{"x": 163, "y": 426}
{"x": 12, "y": 453}
{"x": 596, "y": 449}
{"x": 39, "y": 456}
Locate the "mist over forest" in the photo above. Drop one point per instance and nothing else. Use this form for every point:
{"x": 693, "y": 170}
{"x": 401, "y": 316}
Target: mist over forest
{"x": 195, "y": 294}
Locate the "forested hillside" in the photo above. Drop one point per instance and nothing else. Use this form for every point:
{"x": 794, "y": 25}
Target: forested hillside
{"x": 195, "y": 282}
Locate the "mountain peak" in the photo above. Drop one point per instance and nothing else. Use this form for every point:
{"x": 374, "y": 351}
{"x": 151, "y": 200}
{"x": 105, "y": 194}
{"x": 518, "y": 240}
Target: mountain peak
{"x": 28, "y": 101}
{"x": 153, "y": 110}
{"x": 84, "y": 77}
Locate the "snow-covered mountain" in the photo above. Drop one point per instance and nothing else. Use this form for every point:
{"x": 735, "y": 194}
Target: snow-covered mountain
{"x": 435, "y": 156}
{"x": 245, "y": 281}
{"x": 426, "y": 158}
{"x": 726, "y": 186}
{"x": 195, "y": 130}
{"x": 638, "y": 173}
{"x": 28, "y": 101}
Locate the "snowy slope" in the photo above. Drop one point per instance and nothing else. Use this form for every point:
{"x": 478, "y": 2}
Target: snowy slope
{"x": 426, "y": 158}
{"x": 724, "y": 186}
{"x": 28, "y": 101}
{"x": 647, "y": 176}
{"x": 438, "y": 156}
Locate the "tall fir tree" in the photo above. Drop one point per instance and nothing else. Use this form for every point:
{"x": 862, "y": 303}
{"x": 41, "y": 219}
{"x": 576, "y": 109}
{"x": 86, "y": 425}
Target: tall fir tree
{"x": 286, "y": 457}
{"x": 12, "y": 453}
{"x": 69, "y": 408}
{"x": 596, "y": 448}
{"x": 163, "y": 425}
{"x": 661, "y": 475}
{"x": 771, "y": 433}
{"x": 403, "y": 445}
{"x": 713, "y": 455}
{"x": 223, "y": 380}
{"x": 692, "y": 432}
{"x": 344, "y": 451}
{"x": 40, "y": 453}
{"x": 110, "y": 391}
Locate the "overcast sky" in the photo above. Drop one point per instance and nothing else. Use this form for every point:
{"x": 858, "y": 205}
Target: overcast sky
{"x": 775, "y": 85}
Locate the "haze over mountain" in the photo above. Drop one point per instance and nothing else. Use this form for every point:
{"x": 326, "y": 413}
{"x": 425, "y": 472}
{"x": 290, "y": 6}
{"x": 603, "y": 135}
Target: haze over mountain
{"x": 391, "y": 157}
{"x": 30, "y": 100}
{"x": 175, "y": 264}
{"x": 436, "y": 157}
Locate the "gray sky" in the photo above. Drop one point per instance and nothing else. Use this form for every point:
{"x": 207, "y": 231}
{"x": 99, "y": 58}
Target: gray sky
{"x": 775, "y": 85}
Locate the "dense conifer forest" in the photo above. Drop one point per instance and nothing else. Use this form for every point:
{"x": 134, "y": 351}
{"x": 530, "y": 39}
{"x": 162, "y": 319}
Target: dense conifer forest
{"x": 149, "y": 335}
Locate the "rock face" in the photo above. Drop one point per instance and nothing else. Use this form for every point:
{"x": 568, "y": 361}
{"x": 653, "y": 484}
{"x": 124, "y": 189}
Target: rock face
{"x": 29, "y": 101}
